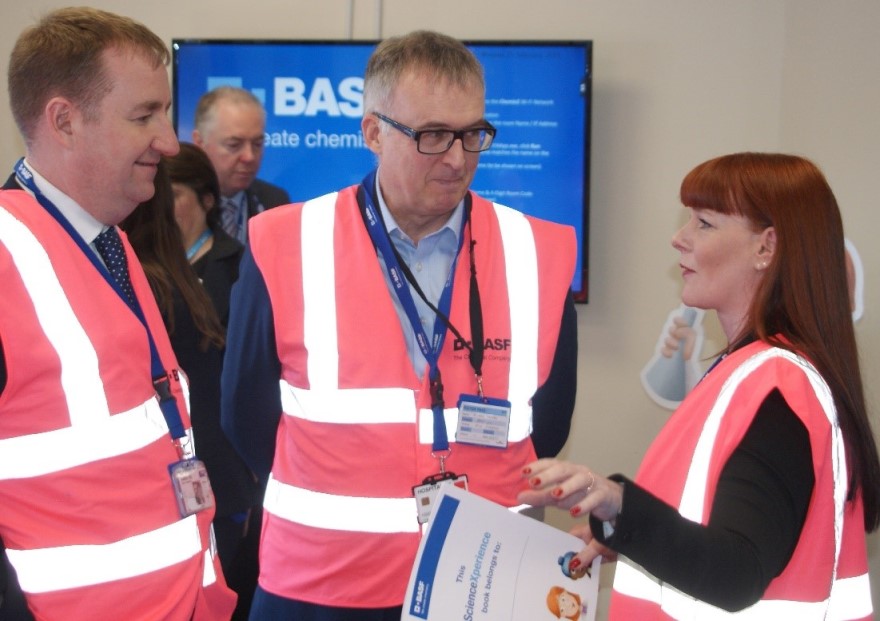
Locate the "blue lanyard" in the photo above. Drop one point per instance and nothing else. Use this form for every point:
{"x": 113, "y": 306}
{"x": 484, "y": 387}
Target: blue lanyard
{"x": 205, "y": 236}
{"x": 430, "y": 348}
{"x": 160, "y": 376}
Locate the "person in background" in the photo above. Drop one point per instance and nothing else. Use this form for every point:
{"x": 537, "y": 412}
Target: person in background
{"x": 186, "y": 185}
{"x": 371, "y": 410}
{"x": 230, "y": 125}
{"x": 100, "y": 513}
{"x": 758, "y": 492}
{"x": 209, "y": 249}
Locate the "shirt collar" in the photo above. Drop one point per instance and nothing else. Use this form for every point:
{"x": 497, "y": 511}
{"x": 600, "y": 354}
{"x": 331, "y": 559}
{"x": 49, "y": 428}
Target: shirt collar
{"x": 82, "y": 221}
{"x": 237, "y": 199}
{"x": 453, "y": 223}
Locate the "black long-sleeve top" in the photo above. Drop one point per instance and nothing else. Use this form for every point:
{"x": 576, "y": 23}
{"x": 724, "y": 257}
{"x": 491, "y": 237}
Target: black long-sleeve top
{"x": 756, "y": 519}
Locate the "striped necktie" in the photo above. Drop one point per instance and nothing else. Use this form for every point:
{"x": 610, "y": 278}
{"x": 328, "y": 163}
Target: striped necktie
{"x": 229, "y": 216}
{"x": 109, "y": 246}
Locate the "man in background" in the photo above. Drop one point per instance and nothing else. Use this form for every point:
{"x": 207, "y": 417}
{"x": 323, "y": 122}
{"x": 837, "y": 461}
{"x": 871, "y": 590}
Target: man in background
{"x": 99, "y": 513}
{"x": 230, "y": 125}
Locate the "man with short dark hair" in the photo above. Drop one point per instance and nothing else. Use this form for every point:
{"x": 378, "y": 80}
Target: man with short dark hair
{"x": 98, "y": 476}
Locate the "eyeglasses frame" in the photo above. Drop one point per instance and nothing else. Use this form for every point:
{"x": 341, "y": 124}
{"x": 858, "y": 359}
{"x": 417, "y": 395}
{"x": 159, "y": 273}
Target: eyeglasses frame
{"x": 457, "y": 134}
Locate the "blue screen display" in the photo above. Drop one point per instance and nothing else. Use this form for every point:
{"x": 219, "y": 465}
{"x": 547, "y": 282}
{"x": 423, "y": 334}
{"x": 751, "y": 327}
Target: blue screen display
{"x": 537, "y": 95}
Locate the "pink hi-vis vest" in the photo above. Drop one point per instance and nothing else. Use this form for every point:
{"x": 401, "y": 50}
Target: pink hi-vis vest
{"x": 89, "y": 518}
{"x": 356, "y": 431}
{"x": 827, "y": 576}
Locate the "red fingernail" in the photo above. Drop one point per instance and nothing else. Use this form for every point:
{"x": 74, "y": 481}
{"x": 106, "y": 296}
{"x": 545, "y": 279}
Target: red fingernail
{"x": 575, "y": 510}
{"x": 527, "y": 470}
{"x": 575, "y": 563}
{"x": 557, "y": 492}
{"x": 536, "y": 481}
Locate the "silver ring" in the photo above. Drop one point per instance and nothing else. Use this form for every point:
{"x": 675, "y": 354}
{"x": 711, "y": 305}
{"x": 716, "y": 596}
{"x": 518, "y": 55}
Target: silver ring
{"x": 592, "y": 481}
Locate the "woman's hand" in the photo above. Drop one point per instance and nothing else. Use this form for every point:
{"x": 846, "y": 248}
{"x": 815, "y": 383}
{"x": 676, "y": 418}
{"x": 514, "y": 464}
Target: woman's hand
{"x": 581, "y": 492}
{"x": 590, "y": 551}
{"x": 572, "y": 487}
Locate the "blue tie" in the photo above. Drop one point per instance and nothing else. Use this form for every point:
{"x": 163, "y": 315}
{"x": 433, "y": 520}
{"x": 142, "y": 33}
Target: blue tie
{"x": 109, "y": 246}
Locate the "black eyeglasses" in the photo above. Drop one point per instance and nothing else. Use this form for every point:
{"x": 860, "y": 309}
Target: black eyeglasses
{"x": 434, "y": 141}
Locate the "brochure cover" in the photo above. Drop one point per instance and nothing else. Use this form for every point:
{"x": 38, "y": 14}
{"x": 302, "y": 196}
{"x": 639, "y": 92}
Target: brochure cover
{"x": 480, "y": 561}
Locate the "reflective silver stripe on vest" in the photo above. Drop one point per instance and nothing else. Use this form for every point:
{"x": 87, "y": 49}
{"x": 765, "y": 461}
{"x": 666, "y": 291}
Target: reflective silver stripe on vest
{"x": 80, "y": 379}
{"x": 850, "y": 599}
{"x": 352, "y": 406}
{"x": 847, "y": 597}
{"x": 426, "y": 424}
{"x": 68, "y": 567}
{"x": 333, "y": 512}
{"x": 52, "y": 451}
{"x": 363, "y": 406}
{"x": 521, "y": 263}
{"x": 209, "y": 576}
{"x": 319, "y": 292}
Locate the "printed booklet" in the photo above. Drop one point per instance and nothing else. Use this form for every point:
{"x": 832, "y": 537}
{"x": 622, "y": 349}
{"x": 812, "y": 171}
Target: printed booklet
{"x": 479, "y": 561}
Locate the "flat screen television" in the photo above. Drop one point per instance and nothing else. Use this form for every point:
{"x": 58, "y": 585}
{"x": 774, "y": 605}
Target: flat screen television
{"x": 537, "y": 95}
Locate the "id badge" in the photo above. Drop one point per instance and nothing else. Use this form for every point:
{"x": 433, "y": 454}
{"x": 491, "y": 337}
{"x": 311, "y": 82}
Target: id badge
{"x": 483, "y": 421}
{"x": 192, "y": 488}
{"x": 427, "y": 492}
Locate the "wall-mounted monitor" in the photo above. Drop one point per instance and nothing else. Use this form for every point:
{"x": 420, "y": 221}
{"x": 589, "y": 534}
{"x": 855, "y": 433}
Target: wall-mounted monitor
{"x": 537, "y": 95}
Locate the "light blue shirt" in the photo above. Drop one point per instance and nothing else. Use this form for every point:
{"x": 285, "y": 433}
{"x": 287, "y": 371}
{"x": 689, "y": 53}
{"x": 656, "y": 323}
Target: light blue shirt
{"x": 429, "y": 262}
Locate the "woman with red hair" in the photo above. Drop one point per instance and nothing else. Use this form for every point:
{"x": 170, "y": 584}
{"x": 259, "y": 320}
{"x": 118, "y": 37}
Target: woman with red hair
{"x": 758, "y": 492}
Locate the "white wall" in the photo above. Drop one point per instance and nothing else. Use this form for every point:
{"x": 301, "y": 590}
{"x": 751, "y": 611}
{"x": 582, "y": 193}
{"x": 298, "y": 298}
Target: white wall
{"x": 675, "y": 82}
{"x": 830, "y": 103}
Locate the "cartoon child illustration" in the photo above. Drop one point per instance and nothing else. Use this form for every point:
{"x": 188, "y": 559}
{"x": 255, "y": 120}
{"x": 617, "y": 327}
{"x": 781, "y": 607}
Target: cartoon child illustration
{"x": 564, "y": 604}
{"x": 564, "y": 564}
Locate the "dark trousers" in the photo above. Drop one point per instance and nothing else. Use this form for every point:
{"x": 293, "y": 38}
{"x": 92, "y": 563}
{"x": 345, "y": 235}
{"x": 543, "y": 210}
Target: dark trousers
{"x": 12, "y": 604}
{"x": 268, "y": 607}
{"x": 239, "y": 557}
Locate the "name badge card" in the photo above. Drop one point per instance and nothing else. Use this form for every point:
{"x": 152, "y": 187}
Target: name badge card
{"x": 191, "y": 486}
{"x": 483, "y": 421}
{"x": 427, "y": 492}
